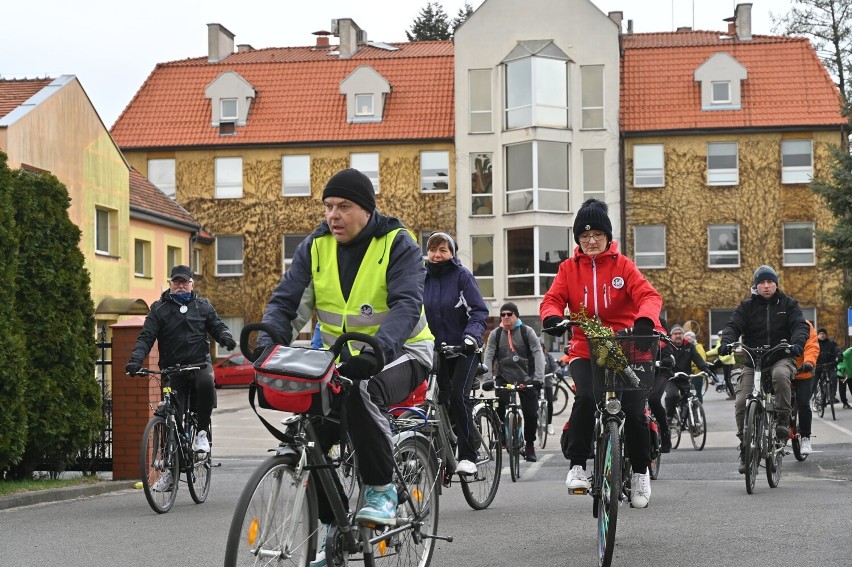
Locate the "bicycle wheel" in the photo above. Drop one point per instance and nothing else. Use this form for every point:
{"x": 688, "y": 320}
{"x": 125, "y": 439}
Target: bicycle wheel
{"x": 705, "y": 385}
{"x": 342, "y": 452}
{"x": 752, "y": 440}
{"x": 796, "y": 438}
{"x": 829, "y": 399}
{"x": 198, "y": 477}
{"x": 158, "y": 457}
{"x": 656, "y": 455}
{"x": 610, "y": 492}
{"x": 697, "y": 425}
{"x": 732, "y": 387}
{"x": 542, "y": 424}
{"x": 480, "y": 489}
{"x": 275, "y": 521}
{"x": 675, "y": 429}
{"x": 514, "y": 446}
{"x": 775, "y": 454}
{"x": 560, "y": 398}
{"x": 820, "y": 395}
{"x": 410, "y": 547}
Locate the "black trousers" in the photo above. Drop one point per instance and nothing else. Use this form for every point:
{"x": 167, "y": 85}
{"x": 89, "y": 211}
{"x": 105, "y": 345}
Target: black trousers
{"x": 455, "y": 376}
{"x": 198, "y": 387}
{"x": 655, "y": 399}
{"x": 528, "y": 398}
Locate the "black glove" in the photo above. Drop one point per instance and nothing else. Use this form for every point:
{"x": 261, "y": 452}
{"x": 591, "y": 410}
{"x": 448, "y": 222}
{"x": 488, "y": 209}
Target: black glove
{"x": 643, "y": 327}
{"x": 807, "y": 367}
{"x": 797, "y": 350}
{"x": 469, "y": 345}
{"x": 553, "y": 321}
{"x": 667, "y": 361}
{"x": 132, "y": 368}
{"x": 229, "y": 343}
{"x": 360, "y": 367}
{"x": 724, "y": 349}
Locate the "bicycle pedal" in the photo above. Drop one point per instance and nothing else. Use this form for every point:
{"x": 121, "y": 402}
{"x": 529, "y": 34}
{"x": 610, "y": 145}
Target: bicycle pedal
{"x": 578, "y": 491}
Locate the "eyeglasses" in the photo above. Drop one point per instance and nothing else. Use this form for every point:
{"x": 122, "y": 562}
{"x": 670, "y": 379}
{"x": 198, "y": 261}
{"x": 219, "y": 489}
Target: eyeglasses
{"x": 180, "y": 281}
{"x": 506, "y": 314}
{"x": 597, "y": 237}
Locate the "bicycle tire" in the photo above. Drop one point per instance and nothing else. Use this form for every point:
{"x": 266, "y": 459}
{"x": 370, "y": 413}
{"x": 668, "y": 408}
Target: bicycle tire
{"x": 775, "y": 454}
{"x": 675, "y": 429}
{"x": 656, "y": 454}
{"x": 408, "y": 547}
{"x": 610, "y": 492}
{"x": 698, "y": 426}
{"x": 816, "y": 398}
{"x": 198, "y": 477}
{"x": 822, "y": 399}
{"x": 830, "y": 401}
{"x": 752, "y": 444}
{"x": 158, "y": 455}
{"x": 560, "y": 398}
{"x": 542, "y": 424}
{"x": 731, "y": 385}
{"x": 264, "y": 514}
{"x": 347, "y": 472}
{"x": 795, "y": 437}
{"x": 705, "y": 385}
{"x": 480, "y": 489}
{"x": 514, "y": 447}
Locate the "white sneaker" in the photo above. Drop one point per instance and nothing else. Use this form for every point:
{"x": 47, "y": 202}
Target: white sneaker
{"x": 640, "y": 490}
{"x": 164, "y": 483}
{"x": 805, "y": 446}
{"x": 550, "y": 430}
{"x": 577, "y": 479}
{"x": 201, "y": 444}
{"x": 466, "y": 467}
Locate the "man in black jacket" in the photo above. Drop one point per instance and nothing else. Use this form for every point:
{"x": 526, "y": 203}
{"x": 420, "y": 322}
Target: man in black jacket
{"x": 685, "y": 355}
{"x": 767, "y": 318}
{"x": 829, "y": 355}
{"x": 179, "y": 321}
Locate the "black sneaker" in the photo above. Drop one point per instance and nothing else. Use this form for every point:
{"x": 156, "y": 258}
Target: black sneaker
{"x": 782, "y": 429}
{"x": 666, "y": 441}
{"x": 529, "y": 454}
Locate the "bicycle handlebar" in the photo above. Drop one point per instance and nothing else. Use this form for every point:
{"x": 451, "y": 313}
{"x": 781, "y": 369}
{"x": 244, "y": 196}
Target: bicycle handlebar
{"x": 168, "y": 371}
{"x": 760, "y": 353}
{"x": 489, "y": 386}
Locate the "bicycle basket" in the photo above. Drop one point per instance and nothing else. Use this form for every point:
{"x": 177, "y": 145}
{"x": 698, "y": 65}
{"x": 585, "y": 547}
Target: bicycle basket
{"x": 294, "y": 379}
{"x": 619, "y": 365}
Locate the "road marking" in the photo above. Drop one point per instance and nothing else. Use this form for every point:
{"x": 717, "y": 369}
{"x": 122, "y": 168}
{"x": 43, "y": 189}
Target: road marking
{"x": 533, "y": 468}
{"x": 838, "y": 428}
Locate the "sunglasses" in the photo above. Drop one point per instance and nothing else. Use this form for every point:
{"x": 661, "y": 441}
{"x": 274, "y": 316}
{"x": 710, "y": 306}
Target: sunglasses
{"x": 506, "y": 314}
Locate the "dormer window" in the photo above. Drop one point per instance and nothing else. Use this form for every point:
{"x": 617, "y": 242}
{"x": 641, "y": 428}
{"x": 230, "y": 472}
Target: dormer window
{"x": 228, "y": 110}
{"x": 230, "y": 100}
{"x": 720, "y": 79}
{"x": 365, "y": 90}
{"x": 364, "y": 105}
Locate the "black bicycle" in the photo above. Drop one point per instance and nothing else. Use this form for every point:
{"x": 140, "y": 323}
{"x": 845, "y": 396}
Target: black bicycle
{"x": 689, "y": 412}
{"x": 823, "y": 395}
{"x": 512, "y": 426}
{"x": 167, "y": 446}
{"x": 276, "y": 518}
{"x": 795, "y": 436}
{"x": 561, "y": 390}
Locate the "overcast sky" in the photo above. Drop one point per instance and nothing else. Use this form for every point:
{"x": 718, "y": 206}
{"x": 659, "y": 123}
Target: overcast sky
{"x": 112, "y": 46}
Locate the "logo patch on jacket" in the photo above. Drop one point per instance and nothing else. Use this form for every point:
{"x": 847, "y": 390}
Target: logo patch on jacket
{"x": 367, "y": 310}
{"x": 618, "y": 282}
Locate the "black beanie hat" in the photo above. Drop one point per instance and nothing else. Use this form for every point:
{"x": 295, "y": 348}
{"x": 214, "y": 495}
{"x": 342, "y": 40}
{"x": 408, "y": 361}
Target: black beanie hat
{"x": 353, "y": 185}
{"x": 510, "y": 307}
{"x": 592, "y": 216}
{"x": 764, "y": 273}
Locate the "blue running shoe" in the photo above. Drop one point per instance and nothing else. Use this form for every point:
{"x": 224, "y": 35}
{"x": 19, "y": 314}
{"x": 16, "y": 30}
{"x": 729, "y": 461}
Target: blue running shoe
{"x": 319, "y": 560}
{"x": 379, "y": 506}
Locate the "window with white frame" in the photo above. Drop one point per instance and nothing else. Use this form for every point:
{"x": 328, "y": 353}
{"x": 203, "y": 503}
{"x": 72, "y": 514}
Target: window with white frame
{"x": 718, "y": 319}
{"x": 481, "y": 189}
{"x": 797, "y": 162}
{"x": 722, "y": 163}
{"x": 161, "y": 172}
{"x": 537, "y": 176}
{"x": 649, "y": 246}
{"x": 235, "y": 325}
{"x": 721, "y": 92}
{"x": 479, "y": 100}
{"x": 228, "y": 110}
{"x": 482, "y": 262}
{"x": 648, "y": 165}
{"x": 364, "y": 105}
{"x": 291, "y": 242}
{"x": 368, "y": 164}
{"x": 799, "y": 244}
{"x": 229, "y": 255}
{"x": 174, "y": 257}
{"x": 592, "y": 77}
{"x": 196, "y": 262}
{"x": 229, "y": 177}
{"x": 594, "y": 174}
{"x": 141, "y": 258}
{"x": 435, "y": 171}
{"x": 296, "y": 176}
{"x": 105, "y": 224}
{"x": 537, "y": 93}
{"x": 533, "y": 256}
{"x": 723, "y": 245}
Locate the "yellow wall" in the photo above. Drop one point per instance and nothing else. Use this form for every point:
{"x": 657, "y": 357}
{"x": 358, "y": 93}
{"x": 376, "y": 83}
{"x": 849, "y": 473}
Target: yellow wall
{"x": 160, "y": 237}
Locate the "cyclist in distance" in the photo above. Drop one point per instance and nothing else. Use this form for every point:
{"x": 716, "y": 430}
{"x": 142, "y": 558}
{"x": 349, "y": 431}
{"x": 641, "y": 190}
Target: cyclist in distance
{"x": 803, "y": 384}
{"x": 844, "y": 372}
{"x": 609, "y": 286}
{"x": 179, "y": 321}
{"x": 551, "y": 367}
{"x": 829, "y": 355}
{"x": 456, "y": 314}
{"x": 359, "y": 271}
{"x": 686, "y": 356}
{"x": 655, "y": 397}
{"x": 767, "y": 318}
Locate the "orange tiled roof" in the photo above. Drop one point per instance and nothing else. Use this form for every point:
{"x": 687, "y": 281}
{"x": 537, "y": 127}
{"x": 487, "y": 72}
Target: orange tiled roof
{"x": 787, "y": 85}
{"x": 147, "y": 197}
{"x": 15, "y": 92}
{"x": 298, "y": 98}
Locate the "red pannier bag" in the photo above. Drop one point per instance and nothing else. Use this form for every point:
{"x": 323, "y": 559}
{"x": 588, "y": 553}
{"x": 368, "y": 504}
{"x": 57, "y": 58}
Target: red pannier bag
{"x": 417, "y": 397}
{"x": 294, "y": 379}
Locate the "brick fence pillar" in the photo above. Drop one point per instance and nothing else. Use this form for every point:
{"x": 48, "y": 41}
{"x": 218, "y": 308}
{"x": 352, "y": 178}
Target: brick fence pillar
{"x": 132, "y": 397}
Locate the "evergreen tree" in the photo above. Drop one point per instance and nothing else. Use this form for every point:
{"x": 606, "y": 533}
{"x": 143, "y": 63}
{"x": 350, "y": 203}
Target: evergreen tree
{"x": 837, "y": 192}
{"x": 430, "y": 25}
{"x": 13, "y": 356}
{"x": 461, "y": 17}
{"x": 54, "y": 306}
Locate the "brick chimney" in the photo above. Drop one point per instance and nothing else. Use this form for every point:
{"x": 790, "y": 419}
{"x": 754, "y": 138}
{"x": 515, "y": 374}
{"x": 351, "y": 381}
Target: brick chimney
{"x": 220, "y": 43}
{"x": 244, "y": 48}
{"x": 742, "y": 18}
{"x": 322, "y": 39}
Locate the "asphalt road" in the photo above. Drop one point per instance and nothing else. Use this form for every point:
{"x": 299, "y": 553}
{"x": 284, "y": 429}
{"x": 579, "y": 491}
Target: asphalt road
{"x": 699, "y": 513}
